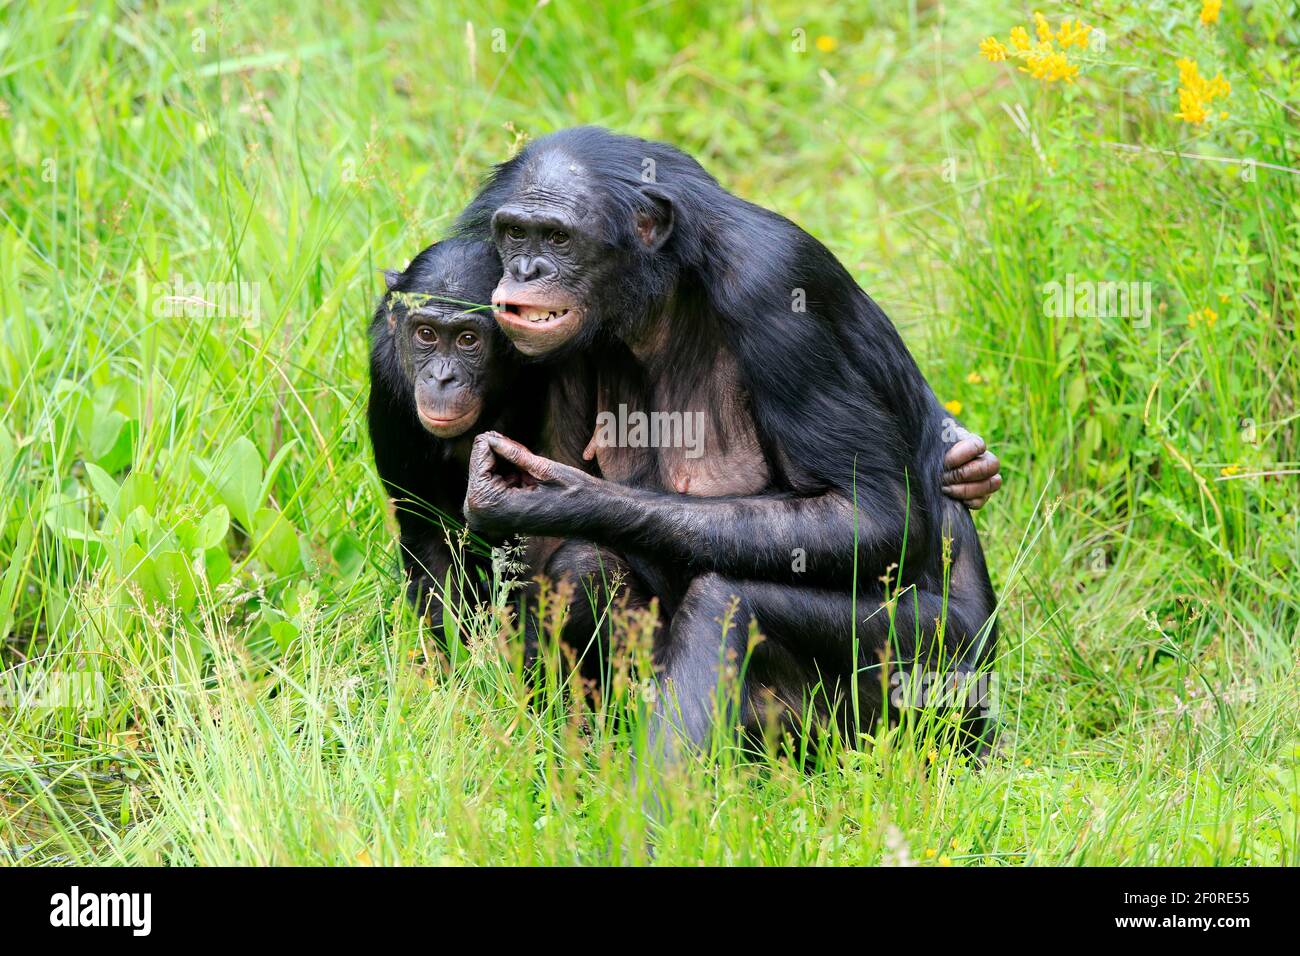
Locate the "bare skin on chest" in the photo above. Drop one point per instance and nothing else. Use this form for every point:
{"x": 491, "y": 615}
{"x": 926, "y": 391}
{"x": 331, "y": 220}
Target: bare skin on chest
{"x": 699, "y": 442}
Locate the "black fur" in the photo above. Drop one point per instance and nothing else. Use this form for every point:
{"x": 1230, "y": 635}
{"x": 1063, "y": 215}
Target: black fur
{"x": 841, "y": 411}
{"x": 425, "y": 475}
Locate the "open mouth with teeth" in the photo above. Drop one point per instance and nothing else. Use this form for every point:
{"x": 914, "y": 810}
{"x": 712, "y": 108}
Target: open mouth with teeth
{"x": 514, "y": 313}
{"x": 536, "y": 328}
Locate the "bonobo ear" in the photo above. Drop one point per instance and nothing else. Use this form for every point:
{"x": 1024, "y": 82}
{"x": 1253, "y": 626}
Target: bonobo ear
{"x": 655, "y": 226}
{"x": 392, "y": 277}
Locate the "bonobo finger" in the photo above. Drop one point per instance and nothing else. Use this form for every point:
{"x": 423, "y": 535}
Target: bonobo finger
{"x": 972, "y": 491}
{"x": 519, "y": 456}
{"x": 968, "y": 447}
{"x": 980, "y": 469}
{"x": 481, "y": 456}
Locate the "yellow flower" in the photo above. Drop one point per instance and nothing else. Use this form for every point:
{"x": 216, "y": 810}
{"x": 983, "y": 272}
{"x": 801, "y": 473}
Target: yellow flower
{"x": 1042, "y": 27}
{"x": 1206, "y": 315}
{"x": 1229, "y": 471}
{"x": 931, "y": 853}
{"x": 974, "y": 378}
{"x": 944, "y": 861}
{"x": 827, "y": 44}
{"x": 932, "y": 756}
{"x": 1196, "y": 93}
{"x": 1049, "y": 66}
{"x": 1076, "y": 35}
{"x": 993, "y": 49}
{"x": 954, "y": 406}
{"x": 1190, "y": 109}
{"x": 1210, "y": 11}
{"x": 1041, "y": 59}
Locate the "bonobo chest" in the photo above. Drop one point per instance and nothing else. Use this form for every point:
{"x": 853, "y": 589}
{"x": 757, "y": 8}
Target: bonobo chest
{"x": 694, "y": 440}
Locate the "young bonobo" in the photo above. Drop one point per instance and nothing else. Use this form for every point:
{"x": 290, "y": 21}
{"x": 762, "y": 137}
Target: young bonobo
{"x": 820, "y": 473}
{"x": 441, "y": 372}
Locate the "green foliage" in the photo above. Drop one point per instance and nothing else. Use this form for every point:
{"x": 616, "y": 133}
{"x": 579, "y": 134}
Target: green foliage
{"x": 195, "y": 206}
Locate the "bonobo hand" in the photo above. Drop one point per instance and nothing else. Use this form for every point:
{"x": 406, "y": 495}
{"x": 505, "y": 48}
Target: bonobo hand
{"x": 970, "y": 471}
{"x": 513, "y": 491}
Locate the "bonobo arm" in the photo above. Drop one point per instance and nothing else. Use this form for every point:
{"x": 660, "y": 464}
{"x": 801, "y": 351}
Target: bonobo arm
{"x": 773, "y": 536}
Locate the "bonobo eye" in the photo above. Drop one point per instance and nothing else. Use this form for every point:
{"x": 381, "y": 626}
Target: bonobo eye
{"x": 559, "y": 238}
{"x": 467, "y": 340}
{"x": 515, "y": 232}
{"x": 426, "y": 334}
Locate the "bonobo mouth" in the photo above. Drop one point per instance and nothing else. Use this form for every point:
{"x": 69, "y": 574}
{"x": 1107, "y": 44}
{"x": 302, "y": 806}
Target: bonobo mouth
{"x": 531, "y": 314}
{"x": 536, "y": 327}
{"x": 447, "y": 423}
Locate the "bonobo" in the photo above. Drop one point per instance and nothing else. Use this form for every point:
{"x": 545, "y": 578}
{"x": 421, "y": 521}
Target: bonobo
{"x": 441, "y": 372}
{"x": 816, "y": 508}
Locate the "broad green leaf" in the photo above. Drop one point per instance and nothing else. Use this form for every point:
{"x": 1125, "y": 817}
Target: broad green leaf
{"x": 119, "y": 454}
{"x": 236, "y": 477}
{"x": 1076, "y": 393}
{"x": 175, "y": 579}
{"x": 216, "y": 566}
{"x": 275, "y": 541}
{"x": 283, "y": 633}
{"x": 138, "y": 567}
{"x": 186, "y": 532}
{"x": 139, "y": 490}
{"x": 104, "y": 485}
{"x": 273, "y": 469}
{"x": 212, "y": 528}
{"x": 17, "y": 563}
{"x": 350, "y": 555}
{"x": 66, "y": 517}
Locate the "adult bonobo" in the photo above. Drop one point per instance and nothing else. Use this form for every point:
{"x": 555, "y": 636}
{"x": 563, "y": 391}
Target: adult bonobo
{"x": 820, "y": 470}
{"x": 440, "y": 373}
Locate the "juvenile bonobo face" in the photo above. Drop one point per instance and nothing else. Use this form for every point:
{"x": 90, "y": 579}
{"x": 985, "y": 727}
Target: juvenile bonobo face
{"x": 562, "y": 260}
{"x": 447, "y": 356}
{"x": 446, "y": 341}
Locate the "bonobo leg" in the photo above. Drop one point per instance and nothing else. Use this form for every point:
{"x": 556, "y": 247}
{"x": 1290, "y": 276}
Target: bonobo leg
{"x": 807, "y": 650}
{"x": 427, "y": 561}
{"x": 899, "y": 645}
{"x": 597, "y": 578}
{"x": 698, "y": 665}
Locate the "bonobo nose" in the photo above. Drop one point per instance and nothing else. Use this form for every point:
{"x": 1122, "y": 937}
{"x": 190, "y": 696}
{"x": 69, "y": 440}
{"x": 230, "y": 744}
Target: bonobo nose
{"x": 531, "y": 268}
{"x": 445, "y": 375}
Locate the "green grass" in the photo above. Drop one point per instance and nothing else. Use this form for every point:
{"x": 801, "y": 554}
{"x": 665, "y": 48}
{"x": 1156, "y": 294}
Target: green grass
{"x": 283, "y": 706}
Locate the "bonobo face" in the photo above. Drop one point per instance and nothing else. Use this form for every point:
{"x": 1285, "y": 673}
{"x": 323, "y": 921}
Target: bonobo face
{"x": 551, "y": 254}
{"x": 446, "y": 340}
{"x": 562, "y": 259}
{"x": 447, "y": 355}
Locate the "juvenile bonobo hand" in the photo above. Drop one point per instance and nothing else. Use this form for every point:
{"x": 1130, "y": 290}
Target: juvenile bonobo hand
{"x": 970, "y": 471}
{"x": 513, "y": 491}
